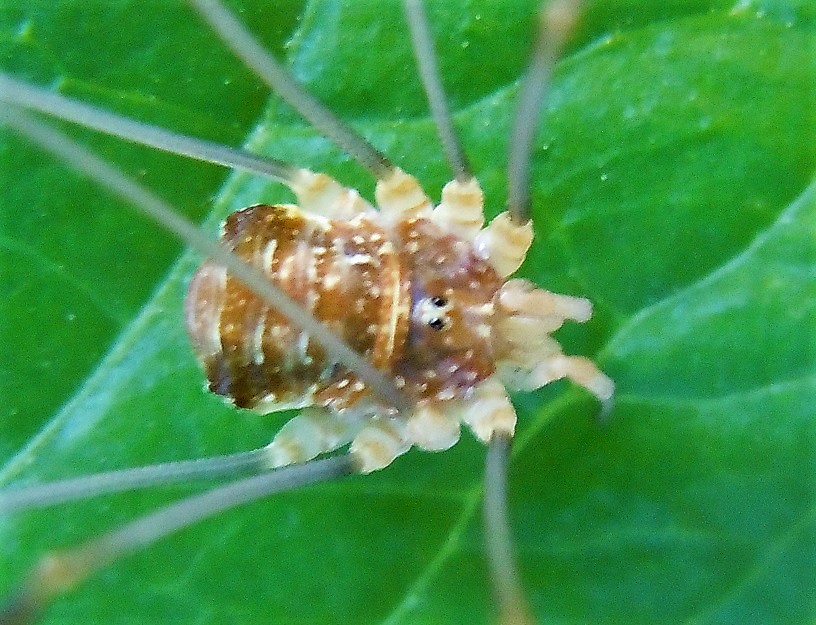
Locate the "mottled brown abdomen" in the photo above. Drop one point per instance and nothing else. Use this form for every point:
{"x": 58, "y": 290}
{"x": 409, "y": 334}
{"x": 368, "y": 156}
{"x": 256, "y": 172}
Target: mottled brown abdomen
{"x": 346, "y": 274}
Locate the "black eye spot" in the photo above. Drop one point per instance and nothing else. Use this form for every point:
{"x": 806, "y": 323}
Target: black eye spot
{"x": 436, "y": 323}
{"x": 439, "y": 302}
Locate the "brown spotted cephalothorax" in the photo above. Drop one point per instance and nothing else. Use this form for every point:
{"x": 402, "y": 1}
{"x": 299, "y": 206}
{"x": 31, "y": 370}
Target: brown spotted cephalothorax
{"x": 420, "y": 291}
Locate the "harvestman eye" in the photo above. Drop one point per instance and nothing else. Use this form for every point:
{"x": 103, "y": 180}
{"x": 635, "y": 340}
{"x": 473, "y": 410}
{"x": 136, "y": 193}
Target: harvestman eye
{"x": 249, "y": 325}
{"x": 436, "y": 324}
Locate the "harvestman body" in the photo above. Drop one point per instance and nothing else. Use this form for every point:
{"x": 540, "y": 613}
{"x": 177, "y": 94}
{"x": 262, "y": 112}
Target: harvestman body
{"x": 421, "y": 292}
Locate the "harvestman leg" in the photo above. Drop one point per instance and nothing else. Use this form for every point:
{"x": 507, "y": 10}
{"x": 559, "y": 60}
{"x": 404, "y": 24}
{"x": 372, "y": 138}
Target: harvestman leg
{"x": 397, "y": 193}
{"x": 506, "y": 244}
{"x": 62, "y": 571}
{"x": 490, "y": 416}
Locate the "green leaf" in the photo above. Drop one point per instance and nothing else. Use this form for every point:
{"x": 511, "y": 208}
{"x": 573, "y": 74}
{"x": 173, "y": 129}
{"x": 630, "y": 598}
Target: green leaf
{"x": 673, "y": 185}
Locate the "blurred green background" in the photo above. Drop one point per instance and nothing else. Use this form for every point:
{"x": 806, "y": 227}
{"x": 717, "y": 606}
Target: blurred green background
{"x": 673, "y": 185}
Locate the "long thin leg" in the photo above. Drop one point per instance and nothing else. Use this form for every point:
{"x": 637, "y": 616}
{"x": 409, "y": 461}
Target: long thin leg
{"x": 557, "y": 22}
{"x": 398, "y": 194}
{"x": 513, "y": 608}
{"x": 461, "y": 210}
{"x": 86, "y": 486}
{"x": 17, "y": 92}
{"x": 61, "y": 571}
{"x": 428, "y": 71}
{"x": 147, "y": 203}
{"x": 247, "y": 48}
{"x": 505, "y": 241}
{"x": 317, "y": 193}
{"x": 313, "y": 432}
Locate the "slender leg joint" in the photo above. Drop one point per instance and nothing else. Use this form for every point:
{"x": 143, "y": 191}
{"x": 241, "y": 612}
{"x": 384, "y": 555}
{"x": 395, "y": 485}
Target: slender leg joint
{"x": 433, "y": 429}
{"x": 504, "y": 244}
{"x": 378, "y": 444}
{"x": 521, "y": 297}
{"x": 322, "y": 195}
{"x": 400, "y": 196}
{"x": 308, "y": 435}
{"x": 461, "y": 210}
{"x": 580, "y": 370}
{"x": 490, "y": 412}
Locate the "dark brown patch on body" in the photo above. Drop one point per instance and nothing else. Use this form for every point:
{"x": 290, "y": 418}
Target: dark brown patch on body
{"x": 339, "y": 271}
{"x": 373, "y": 287}
{"x": 446, "y": 362}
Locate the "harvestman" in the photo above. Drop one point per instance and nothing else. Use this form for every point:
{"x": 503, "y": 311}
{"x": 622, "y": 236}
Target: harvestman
{"x": 456, "y": 331}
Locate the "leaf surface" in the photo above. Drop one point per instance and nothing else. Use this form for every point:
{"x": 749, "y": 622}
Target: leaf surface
{"x": 673, "y": 185}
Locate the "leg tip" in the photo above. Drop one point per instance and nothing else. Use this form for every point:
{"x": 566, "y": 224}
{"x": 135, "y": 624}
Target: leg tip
{"x": 605, "y": 414}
